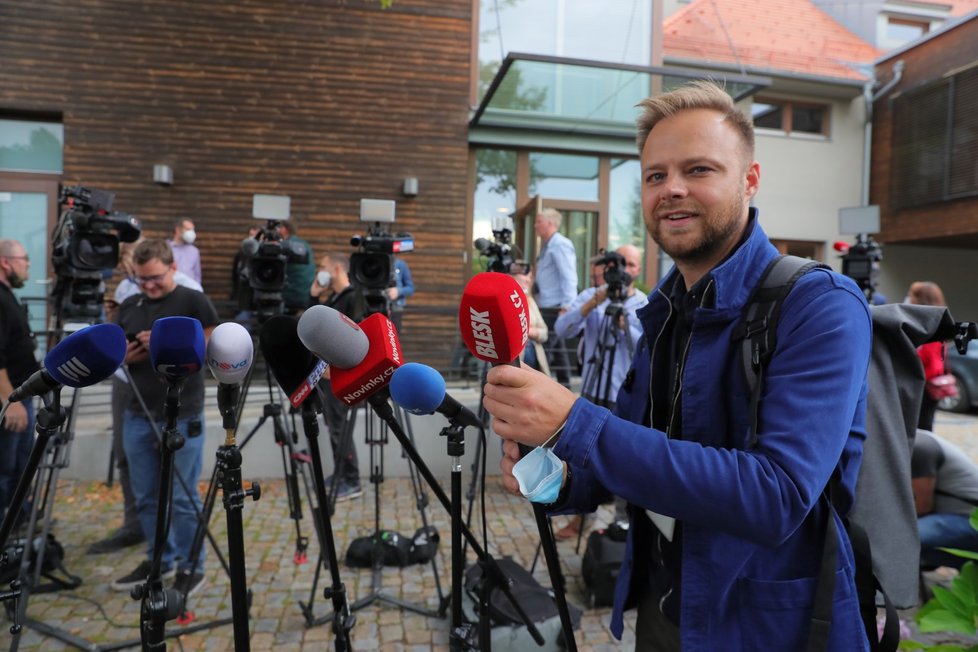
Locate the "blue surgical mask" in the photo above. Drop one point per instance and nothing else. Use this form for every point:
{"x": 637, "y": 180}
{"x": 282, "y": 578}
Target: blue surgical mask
{"x": 540, "y": 474}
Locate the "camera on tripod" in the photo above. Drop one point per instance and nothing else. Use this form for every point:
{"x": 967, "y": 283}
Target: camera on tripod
{"x": 372, "y": 265}
{"x": 615, "y": 276}
{"x": 86, "y": 242}
{"x": 267, "y": 257}
{"x": 499, "y": 251}
{"x": 861, "y": 261}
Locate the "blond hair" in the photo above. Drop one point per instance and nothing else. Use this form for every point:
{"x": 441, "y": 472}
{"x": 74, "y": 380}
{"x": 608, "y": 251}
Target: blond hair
{"x": 699, "y": 94}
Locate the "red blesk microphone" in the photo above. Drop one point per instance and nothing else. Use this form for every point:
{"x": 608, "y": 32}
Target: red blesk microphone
{"x": 494, "y": 318}
{"x": 374, "y": 372}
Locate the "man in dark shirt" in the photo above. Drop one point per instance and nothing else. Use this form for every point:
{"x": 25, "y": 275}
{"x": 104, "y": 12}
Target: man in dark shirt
{"x": 161, "y": 297}
{"x": 17, "y": 363}
{"x": 298, "y": 276}
{"x": 332, "y": 287}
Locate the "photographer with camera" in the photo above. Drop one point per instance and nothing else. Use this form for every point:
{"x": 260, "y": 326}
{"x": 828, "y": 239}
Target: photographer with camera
{"x": 17, "y": 363}
{"x": 299, "y": 271}
{"x": 606, "y": 315}
{"x": 332, "y": 288}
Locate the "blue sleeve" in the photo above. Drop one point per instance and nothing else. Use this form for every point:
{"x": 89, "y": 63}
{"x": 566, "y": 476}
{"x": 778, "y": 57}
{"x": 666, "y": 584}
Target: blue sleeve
{"x": 566, "y": 261}
{"x": 812, "y": 410}
{"x": 571, "y": 322}
{"x": 406, "y": 288}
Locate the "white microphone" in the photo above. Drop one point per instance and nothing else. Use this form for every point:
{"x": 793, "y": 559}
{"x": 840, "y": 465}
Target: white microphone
{"x": 230, "y": 353}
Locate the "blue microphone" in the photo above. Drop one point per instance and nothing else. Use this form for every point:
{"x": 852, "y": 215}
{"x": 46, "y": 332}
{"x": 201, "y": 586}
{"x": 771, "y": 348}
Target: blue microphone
{"x": 176, "y": 347}
{"x": 83, "y": 358}
{"x": 419, "y": 389}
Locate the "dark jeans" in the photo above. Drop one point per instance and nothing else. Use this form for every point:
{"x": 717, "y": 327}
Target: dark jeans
{"x": 120, "y": 397}
{"x": 653, "y": 631}
{"x": 928, "y": 407}
{"x": 555, "y": 348}
{"x": 945, "y": 531}
{"x": 15, "y": 449}
{"x": 340, "y": 418}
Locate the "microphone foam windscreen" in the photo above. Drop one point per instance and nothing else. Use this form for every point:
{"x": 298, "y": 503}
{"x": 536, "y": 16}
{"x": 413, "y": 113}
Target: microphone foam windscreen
{"x": 230, "y": 352}
{"x": 284, "y": 353}
{"x": 374, "y": 372}
{"x": 87, "y": 356}
{"x": 176, "y": 347}
{"x": 417, "y": 388}
{"x": 333, "y": 336}
{"x": 494, "y": 318}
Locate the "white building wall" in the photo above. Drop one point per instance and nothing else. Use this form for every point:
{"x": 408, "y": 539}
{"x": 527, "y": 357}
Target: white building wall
{"x": 806, "y": 180}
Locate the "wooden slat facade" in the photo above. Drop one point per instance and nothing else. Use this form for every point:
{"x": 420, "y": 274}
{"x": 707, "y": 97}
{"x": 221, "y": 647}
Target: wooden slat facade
{"x": 945, "y": 223}
{"x": 327, "y": 102}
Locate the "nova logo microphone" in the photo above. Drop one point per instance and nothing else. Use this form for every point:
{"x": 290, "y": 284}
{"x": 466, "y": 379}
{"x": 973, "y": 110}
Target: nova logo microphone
{"x": 75, "y": 369}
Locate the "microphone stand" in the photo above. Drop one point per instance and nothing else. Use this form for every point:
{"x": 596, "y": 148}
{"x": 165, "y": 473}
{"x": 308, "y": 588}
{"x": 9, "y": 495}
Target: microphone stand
{"x": 455, "y": 444}
{"x": 229, "y": 473}
{"x": 158, "y": 604}
{"x": 379, "y": 403}
{"x": 50, "y": 419}
{"x": 343, "y": 618}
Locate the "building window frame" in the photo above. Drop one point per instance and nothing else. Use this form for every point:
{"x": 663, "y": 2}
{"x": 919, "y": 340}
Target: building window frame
{"x": 788, "y": 108}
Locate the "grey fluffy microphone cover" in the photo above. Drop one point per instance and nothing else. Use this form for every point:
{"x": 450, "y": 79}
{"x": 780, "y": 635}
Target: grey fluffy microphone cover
{"x": 333, "y": 336}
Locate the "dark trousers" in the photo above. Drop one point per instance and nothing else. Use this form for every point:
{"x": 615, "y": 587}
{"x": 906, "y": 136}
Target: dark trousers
{"x": 120, "y": 397}
{"x": 928, "y": 407}
{"x": 653, "y": 631}
{"x": 555, "y": 348}
{"x": 337, "y": 415}
{"x": 15, "y": 449}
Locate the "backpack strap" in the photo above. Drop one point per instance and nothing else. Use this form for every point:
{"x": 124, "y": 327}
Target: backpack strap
{"x": 758, "y": 327}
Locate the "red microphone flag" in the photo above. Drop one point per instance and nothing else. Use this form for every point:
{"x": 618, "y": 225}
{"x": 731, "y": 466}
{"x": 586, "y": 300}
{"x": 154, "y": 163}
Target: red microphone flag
{"x": 375, "y": 370}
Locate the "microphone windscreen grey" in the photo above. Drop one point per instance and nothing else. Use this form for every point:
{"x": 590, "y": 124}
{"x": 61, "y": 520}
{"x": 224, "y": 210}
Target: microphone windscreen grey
{"x": 249, "y": 246}
{"x": 333, "y": 336}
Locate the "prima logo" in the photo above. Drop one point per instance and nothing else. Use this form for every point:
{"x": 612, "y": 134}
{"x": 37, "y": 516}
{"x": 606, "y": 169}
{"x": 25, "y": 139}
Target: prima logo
{"x": 74, "y": 369}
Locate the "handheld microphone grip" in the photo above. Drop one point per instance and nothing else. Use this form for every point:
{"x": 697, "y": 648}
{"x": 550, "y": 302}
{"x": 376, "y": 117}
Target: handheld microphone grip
{"x": 85, "y": 357}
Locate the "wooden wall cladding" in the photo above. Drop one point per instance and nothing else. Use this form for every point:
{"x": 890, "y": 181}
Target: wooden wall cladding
{"x": 326, "y": 101}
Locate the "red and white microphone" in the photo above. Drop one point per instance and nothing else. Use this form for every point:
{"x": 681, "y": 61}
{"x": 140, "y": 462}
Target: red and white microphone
{"x": 494, "y": 318}
{"x": 362, "y": 357}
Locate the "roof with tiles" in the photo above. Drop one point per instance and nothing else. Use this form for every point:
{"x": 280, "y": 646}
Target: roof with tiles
{"x": 767, "y": 36}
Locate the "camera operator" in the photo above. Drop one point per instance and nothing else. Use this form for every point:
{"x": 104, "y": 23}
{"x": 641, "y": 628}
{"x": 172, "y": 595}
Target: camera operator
{"x": 606, "y": 316}
{"x": 299, "y": 275}
{"x": 333, "y": 288}
{"x": 399, "y": 292}
{"x": 17, "y": 363}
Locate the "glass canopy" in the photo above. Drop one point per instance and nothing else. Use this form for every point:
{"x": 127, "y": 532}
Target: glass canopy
{"x": 578, "y": 96}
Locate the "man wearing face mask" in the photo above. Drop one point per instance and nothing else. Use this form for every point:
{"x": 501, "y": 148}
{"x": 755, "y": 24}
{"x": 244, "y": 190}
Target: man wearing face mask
{"x": 332, "y": 288}
{"x": 185, "y": 254}
{"x": 17, "y": 363}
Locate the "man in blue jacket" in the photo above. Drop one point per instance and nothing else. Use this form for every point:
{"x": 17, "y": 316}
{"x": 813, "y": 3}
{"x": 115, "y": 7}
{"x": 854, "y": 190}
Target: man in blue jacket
{"x": 727, "y": 530}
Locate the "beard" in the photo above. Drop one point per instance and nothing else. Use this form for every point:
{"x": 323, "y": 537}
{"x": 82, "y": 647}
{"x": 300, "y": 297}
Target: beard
{"x": 16, "y": 280}
{"x": 720, "y": 230}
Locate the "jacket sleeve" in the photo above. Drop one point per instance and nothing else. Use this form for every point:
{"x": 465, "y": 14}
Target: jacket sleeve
{"x": 566, "y": 260}
{"x": 812, "y": 408}
{"x": 932, "y": 357}
{"x": 571, "y": 322}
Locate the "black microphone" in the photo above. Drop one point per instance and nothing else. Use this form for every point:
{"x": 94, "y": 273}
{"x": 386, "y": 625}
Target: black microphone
{"x": 296, "y": 370}
{"x": 419, "y": 389}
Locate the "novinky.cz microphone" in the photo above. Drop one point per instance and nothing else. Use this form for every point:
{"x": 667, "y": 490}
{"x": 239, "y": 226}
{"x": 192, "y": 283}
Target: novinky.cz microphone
{"x": 176, "y": 348}
{"x": 419, "y": 389}
{"x": 83, "y": 358}
{"x": 296, "y": 370}
{"x": 335, "y": 339}
{"x": 494, "y": 318}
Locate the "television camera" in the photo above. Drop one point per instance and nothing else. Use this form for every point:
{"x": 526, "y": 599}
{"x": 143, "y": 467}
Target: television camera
{"x": 267, "y": 257}
{"x": 615, "y": 277}
{"x": 499, "y": 252}
{"x": 85, "y": 243}
{"x": 861, "y": 262}
{"x": 372, "y": 265}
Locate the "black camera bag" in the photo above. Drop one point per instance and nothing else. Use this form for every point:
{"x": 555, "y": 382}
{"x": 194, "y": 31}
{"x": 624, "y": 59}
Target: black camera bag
{"x": 601, "y": 563}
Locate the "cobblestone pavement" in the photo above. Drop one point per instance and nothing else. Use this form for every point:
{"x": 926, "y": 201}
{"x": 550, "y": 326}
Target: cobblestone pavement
{"x": 87, "y": 511}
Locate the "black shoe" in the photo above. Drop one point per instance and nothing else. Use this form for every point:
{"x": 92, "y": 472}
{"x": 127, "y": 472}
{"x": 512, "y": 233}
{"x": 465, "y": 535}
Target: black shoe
{"x": 348, "y": 491}
{"x": 118, "y": 540}
{"x": 189, "y": 583}
{"x": 139, "y": 576}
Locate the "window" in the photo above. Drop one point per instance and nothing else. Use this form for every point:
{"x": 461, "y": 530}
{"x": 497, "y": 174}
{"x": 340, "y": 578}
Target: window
{"x": 935, "y": 142}
{"x": 904, "y": 30}
{"x": 790, "y": 117}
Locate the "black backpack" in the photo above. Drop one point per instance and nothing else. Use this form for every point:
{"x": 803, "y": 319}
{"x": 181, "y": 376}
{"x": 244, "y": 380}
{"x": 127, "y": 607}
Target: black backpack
{"x": 895, "y": 378}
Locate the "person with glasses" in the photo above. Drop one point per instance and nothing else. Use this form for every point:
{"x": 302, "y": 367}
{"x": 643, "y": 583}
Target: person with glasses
{"x": 17, "y": 363}
{"x": 130, "y": 533}
{"x": 161, "y": 296}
